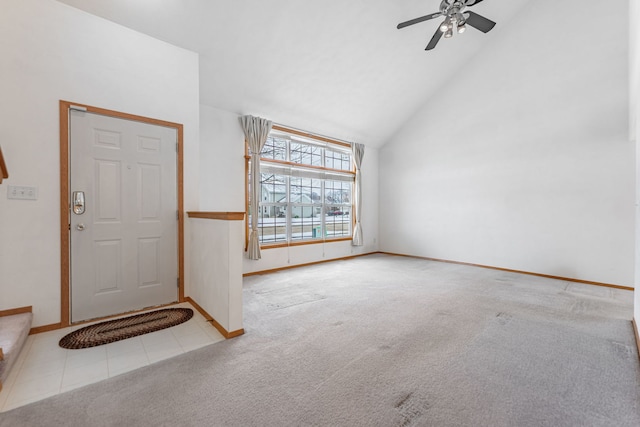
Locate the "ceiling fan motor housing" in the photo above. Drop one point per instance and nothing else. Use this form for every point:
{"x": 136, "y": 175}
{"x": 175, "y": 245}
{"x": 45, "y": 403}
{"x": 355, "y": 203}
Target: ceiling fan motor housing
{"x": 451, "y": 8}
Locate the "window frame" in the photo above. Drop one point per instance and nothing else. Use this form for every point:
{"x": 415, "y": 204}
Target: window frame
{"x": 327, "y": 144}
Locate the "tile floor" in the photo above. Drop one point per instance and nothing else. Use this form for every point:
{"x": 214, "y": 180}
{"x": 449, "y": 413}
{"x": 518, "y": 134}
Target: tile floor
{"x": 44, "y": 369}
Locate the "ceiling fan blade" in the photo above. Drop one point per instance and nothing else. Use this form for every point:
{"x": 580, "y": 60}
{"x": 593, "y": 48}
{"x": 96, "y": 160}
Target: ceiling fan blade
{"x": 479, "y": 22}
{"x": 434, "y": 40}
{"x": 417, "y": 20}
{"x": 473, "y": 2}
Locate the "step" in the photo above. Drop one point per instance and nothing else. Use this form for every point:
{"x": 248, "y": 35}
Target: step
{"x": 14, "y": 329}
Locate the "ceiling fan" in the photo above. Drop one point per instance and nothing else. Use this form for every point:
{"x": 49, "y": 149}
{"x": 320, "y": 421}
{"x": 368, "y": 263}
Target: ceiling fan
{"x": 455, "y": 18}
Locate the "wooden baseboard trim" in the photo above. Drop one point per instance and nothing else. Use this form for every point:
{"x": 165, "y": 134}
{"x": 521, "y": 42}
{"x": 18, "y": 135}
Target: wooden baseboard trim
{"x": 213, "y": 321}
{"x": 635, "y": 329}
{"x": 19, "y": 310}
{"x": 548, "y": 276}
{"x": 289, "y": 267}
{"x": 45, "y": 328}
{"x": 223, "y": 331}
{"x": 200, "y": 309}
{"x": 234, "y": 334}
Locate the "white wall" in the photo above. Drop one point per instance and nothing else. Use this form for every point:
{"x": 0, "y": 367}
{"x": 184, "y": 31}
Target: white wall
{"x": 634, "y": 122}
{"x": 221, "y": 161}
{"x": 216, "y": 270}
{"x": 51, "y": 51}
{"x": 634, "y": 68}
{"x": 522, "y": 160}
{"x": 222, "y": 189}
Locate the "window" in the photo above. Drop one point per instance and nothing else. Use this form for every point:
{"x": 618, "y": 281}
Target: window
{"x": 306, "y": 193}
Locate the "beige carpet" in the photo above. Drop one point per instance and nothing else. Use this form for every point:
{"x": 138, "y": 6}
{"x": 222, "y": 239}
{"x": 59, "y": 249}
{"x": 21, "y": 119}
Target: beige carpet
{"x": 387, "y": 341}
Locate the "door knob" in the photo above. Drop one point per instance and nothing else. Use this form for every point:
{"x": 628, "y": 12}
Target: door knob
{"x": 80, "y": 227}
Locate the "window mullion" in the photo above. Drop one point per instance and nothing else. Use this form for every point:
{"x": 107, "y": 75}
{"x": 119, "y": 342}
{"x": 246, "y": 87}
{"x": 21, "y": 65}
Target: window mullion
{"x": 288, "y": 154}
{"x": 289, "y": 228}
{"x": 323, "y": 215}
{"x": 289, "y": 211}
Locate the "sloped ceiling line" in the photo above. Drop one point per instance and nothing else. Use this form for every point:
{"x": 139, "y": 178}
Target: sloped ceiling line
{"x": 337, "y": 68}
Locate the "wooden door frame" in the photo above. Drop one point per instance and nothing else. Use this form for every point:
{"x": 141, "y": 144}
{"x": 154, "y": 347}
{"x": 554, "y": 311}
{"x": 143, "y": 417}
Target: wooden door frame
{"x": 65, "y": 257}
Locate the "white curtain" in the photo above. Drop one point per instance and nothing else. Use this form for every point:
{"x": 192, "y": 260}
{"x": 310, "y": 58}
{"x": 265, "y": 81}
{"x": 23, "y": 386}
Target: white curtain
{"x": 358, "y": 154}
{"x": 256, "y": 130}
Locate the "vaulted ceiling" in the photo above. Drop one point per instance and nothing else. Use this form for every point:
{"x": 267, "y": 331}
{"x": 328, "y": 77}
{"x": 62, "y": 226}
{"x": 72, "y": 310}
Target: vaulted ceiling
{"x": 338, "y": 68}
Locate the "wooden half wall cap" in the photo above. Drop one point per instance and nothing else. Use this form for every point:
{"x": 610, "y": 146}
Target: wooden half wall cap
{"x": 226, "y": 216}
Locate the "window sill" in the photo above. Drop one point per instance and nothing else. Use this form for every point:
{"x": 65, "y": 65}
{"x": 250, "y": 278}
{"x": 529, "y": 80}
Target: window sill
{"x": 304, "y": 243}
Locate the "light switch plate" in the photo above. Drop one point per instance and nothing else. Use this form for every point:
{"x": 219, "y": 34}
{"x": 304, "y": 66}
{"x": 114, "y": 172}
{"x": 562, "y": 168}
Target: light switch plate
{"x": 22, "y": 193}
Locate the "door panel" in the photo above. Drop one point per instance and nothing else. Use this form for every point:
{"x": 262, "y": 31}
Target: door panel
{"x": 107, "y": 256}
{"x": 124, "y": 251}
{"x": 149, "y": 187}
{"x": 108, "y": 191}
{"x": 148, "y": 255}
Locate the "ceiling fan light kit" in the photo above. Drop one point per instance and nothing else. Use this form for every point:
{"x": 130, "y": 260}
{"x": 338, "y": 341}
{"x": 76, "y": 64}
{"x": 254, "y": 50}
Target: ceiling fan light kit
{"x": 444, "y": 26}
{"x": 454, "y": 19}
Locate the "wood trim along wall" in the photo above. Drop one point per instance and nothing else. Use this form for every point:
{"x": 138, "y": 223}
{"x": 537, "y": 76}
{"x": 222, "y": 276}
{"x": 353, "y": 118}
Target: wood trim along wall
{"x": 635, "y": 329}
{"x": 37, "y": 329}
{"x": 225, "y": 216}
{"x": 19, "y": 310}
{"x": 65, "y": 221}
{"x": 213, "y": 321}
{"x": 4, "y": 173}
{"x": 266, "y": 246}
{"x": 180, "y": 171}
{"x": 548, "y": 276}
{"x": 65, "y": 276}
{"x": 289, "y": 267}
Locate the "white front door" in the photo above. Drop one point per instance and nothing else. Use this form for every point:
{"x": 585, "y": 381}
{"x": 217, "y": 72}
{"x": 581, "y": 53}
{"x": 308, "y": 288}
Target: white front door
{"x": 124, "y": 226}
